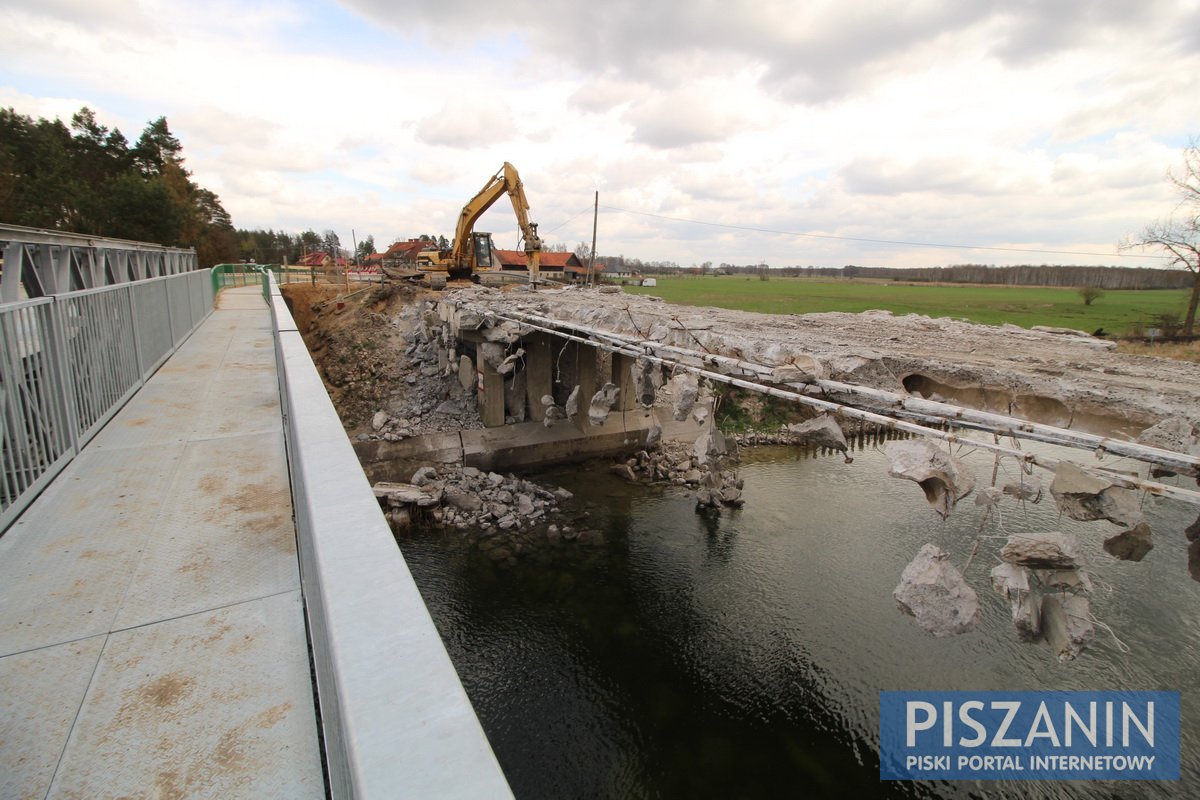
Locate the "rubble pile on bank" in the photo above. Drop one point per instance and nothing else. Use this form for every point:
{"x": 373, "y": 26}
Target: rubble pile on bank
{"x": 508, "y": 515}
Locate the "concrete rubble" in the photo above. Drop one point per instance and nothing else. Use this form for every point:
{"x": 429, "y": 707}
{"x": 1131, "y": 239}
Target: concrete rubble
{"x": 510, "y": 516}
{"x": 943, "y": 478}
{"x": 933, "y": 591}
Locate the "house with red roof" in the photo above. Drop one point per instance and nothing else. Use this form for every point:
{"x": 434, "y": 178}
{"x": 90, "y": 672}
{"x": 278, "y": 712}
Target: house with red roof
{"x": 555, "y": 266}
{"x": 406, "y": 253}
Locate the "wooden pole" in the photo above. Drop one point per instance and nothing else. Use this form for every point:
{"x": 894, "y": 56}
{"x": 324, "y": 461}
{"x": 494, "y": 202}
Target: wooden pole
{"x": 591, "y": 276}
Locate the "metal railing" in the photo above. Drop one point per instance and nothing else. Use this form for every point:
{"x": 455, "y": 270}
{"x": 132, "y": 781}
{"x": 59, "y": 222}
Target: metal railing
{"x": 71, "y": 361}
{"x": 40, "y": 263}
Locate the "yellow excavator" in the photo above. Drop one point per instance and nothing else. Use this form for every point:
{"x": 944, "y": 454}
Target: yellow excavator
{"x": 472, "y": 253}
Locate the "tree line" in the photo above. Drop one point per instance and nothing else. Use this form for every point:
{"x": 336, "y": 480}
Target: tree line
{"x": 89, "y": 179}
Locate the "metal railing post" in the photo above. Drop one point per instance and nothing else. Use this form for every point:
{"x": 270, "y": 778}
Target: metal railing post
{"x": 134, "y": 321}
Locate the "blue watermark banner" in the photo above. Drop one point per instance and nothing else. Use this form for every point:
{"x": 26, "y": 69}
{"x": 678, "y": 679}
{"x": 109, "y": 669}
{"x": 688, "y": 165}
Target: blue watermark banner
{"x": 1029, "y": 735}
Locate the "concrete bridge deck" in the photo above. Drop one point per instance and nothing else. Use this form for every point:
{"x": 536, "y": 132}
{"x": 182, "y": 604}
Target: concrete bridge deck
{"x": 152, "y": 634}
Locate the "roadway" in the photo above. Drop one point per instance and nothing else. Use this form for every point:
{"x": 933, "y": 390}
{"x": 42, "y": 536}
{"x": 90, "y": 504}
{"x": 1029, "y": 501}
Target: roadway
{"x": 152, "y": 635}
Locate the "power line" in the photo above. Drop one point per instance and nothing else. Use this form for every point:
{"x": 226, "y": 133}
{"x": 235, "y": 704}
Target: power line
{"x": 571, "y": 219}
{"x": 876, "y": 241}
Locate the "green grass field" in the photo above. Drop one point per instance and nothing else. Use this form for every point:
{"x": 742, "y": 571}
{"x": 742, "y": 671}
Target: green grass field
{"x": 1118, "y": 312}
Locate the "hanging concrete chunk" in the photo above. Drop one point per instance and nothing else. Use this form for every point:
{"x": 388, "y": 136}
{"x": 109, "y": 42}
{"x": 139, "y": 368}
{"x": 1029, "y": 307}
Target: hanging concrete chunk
{"x": 1130, "y": 545}
{"x": 466, "y": 372}
{"x": 1083, "y": 496}
{"x": 709, "y": 446}
{"x": 933, "y": 591}
{"x": 988, "y": 496}
{"x": 1028, "y": 488}
{"x": 572, "y": 406}
{"x": 647, "y": 378}
{"x": 1192, "y": 532}
{"x": 821, "y": 431}
{"x": 1067, "y": 625}
{"x": 685, "y": 388}
{"x": 1040, "y": 550}
{"x": 602, "y": 403}
{"x": 1075, "y": 581}
{"x": 942, "y": 477}
{"x": 1010, "y": 580}
{"x": 653, "y": 433}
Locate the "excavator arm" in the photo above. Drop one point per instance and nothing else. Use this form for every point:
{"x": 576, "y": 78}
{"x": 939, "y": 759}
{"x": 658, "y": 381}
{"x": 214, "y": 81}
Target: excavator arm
{"x": 468, "y": 253}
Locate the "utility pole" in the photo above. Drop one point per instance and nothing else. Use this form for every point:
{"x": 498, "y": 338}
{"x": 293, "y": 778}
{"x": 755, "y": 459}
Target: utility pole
{"x": 591, "y": 277}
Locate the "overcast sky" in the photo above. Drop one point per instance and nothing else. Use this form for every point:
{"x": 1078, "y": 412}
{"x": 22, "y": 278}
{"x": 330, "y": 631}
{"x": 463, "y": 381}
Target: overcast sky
{"x": 1023, "y": 124}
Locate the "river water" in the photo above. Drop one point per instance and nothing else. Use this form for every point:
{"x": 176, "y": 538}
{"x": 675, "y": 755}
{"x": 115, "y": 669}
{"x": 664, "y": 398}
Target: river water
{"x": 742, "y": 655}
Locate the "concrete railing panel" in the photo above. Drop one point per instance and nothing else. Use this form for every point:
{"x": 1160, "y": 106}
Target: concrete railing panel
{"x": 397, "y": 722}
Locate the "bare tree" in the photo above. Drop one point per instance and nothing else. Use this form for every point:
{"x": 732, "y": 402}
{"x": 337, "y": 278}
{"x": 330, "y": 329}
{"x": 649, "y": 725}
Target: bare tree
{"x": 1090, "y": 294}
{"x": 1178, "y": 234}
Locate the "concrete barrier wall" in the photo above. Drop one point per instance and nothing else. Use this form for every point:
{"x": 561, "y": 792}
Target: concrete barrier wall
{"x": 396, "y": 721}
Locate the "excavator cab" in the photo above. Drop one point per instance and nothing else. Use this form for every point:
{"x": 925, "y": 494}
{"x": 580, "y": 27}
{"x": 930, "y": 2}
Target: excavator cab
{"x": 482, "y": 247}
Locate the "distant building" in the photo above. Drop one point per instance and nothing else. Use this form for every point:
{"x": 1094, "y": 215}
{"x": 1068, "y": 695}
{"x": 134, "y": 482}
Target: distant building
{"x": 408, "y": 253}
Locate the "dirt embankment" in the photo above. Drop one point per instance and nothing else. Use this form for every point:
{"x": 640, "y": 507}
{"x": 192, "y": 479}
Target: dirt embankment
{"x": 369, "y": 349}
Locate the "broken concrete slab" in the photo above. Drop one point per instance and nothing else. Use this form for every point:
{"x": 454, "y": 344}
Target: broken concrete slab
{"x": 943, "y": 478}
{"x": 1067, "y": 625}
{"x": 933, "y": 591}
{"x": 1174, "y": 433}
{"x": 1130, "y": 545}
{"x": 1084, "y": 496}
{"x": 1050, "y": 549}
{"x": 801, "y": 369}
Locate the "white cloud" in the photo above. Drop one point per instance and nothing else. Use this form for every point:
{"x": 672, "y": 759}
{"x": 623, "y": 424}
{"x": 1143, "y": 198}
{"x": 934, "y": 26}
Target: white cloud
{"x": 1046, "y": 124}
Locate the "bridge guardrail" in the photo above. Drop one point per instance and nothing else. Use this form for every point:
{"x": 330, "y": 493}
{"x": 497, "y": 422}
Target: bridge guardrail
{"x": 395, "y": 719}
{"x": 70, "y": 362}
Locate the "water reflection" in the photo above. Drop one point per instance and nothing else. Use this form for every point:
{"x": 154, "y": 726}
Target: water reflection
{"x": 741, "y": 655}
